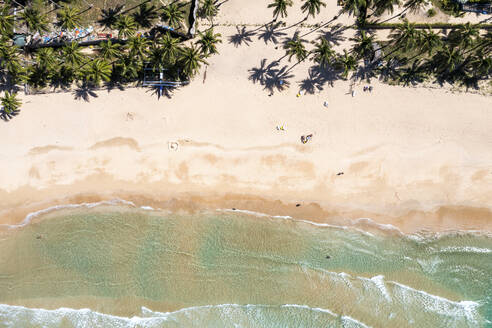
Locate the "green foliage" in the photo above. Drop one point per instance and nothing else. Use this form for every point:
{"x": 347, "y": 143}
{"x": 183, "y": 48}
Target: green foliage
{"x": 109, "y": 50}
{"x": 34, "y": 20}
{"x": 431, "y": 12}
{"x": 10, "y": 105}
{"x": 295, "y": 47}
{"x": 170, "y": 48}
{"x": 109, "y": 16}
{"x": 68, "y": 18}
{"x": 323, "y": 54}
{"x": 312, "y": 7}
{"x": 191, "y": 61}
{"x": 208, "y": 42}
{"x": 72, "y": 54}
{"x": 126, "y": 26}
{"x": 280, "y": 7}
{"x": 208, "y": 9}
{"x": 173, "y": 15}
{"x": 6, "y": 20}
{"x": 97, "y": 71}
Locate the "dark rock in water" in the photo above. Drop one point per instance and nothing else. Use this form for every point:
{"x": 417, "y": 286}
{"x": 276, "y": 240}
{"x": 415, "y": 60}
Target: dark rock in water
{"x": 297, "y": 205}
{"x": 328, "y": 256}
{"x": 233, "y": 208}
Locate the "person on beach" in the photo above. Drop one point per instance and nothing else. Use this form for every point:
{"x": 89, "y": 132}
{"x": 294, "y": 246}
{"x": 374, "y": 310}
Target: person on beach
{"x": 353, "y": 93}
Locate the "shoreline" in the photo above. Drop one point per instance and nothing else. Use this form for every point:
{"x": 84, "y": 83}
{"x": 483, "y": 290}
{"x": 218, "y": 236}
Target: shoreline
{"x": 309, "y": 213}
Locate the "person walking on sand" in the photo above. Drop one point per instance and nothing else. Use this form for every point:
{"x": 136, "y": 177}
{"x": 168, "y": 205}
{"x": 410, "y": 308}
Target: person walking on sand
{"x": 353, "y": 93}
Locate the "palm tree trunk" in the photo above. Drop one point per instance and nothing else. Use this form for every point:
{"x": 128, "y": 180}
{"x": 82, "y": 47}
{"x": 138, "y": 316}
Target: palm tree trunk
{"x": 322, "y": 25}
{"x": 397, "y": 15}
{"x": 130, "y": 9}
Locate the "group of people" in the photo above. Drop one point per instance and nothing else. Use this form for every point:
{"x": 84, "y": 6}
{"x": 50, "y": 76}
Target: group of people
{"x": 367, "y": 88}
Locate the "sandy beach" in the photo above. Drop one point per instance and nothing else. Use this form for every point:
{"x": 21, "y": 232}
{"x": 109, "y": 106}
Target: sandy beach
{"x": 416, "y": 158}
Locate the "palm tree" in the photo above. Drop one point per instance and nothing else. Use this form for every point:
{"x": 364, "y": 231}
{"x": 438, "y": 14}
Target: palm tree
{"x": 10, "y": 105}
{"x": 323, "y": 53}
{"x": 39, "y": 75}
{"x": 145, "y": 15}
{"x": 9, "y": 58}
{"x": 109, "y": 50}
{"x": 72, "y": 54}
{"x": 68, "y": 18}
{"x": 126, "y": 26}
{"x": 46, "y": 57}
{"x": 98, "y": 70}
{"x": 363, "y": 47}
{"x": 109, "y": 16}
{"x": 138, "y": 47}
{"x": 6, "y": 20}
{"x": 357, "y": 8}
{"x": 170, "y": 48}
{"x": 410, "y": 5}
{"x": 313, "y": 7}
{"x": 280, "y": 8}
{"x": 34, "y": 20}
{"x": 173, "y": 15}
{"x": 295, "y": 47}
{"x": 191, "y": 61}
{"x": 429, "y": 41}
{"x": 10, "y": 62}
{"x": 347, "y": 62}
{"x": 208, "y": 9}
{"x": 156, "y": 58}
{"x": 464, "y": 36}
{"x": 127, "y": 68}
{"x": 447, "y": 60}
{"x": 412, "y": 75}
{"x": 405, "y": 36}
{"x": 208, "y": 42}
{"x": 381, "y": 6}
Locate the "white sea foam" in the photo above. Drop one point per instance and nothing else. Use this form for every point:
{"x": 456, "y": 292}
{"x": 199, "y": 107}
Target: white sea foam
{"x": 287, "y": 217}
{"x": 147, "y": 208}
{"x": 379, "y": 282}
{"x": 466, "y": 249}
{"x": 33, "y": 215}
{"x": 15, "y": 316}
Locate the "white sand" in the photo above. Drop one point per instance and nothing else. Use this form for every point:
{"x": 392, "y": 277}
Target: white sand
{"x": 413, "y": 157}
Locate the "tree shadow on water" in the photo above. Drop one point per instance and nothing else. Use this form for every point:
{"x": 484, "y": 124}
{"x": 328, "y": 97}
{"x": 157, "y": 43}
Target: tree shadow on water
{"x": 241, "y": 37}
{"x": 84, "y": 92}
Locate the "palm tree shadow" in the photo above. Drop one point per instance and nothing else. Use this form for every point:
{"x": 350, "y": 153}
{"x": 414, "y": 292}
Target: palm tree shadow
{"x": 166, "y": 91}
{"x": 334, "y": 34}
{"x": 8, "y": 116}
{"x": 271, "y": 33}
{"x": 314, "y": 82}
{"x": 115, "y": 85}
{"x": 365, "y": 72}
{"x": 242, "y": 36}
{"x": 277, "y": 79}
{"x": 259, "y": 74}
{"x": 270, "y": 76}
{"x": 84, "y": 92}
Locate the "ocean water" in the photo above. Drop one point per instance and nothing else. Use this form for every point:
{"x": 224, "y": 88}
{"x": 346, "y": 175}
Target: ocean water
{"x": 122, "y": 266}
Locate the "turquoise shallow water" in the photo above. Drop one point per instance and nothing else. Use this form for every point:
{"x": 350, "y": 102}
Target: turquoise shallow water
{"x": 141, "y": 268}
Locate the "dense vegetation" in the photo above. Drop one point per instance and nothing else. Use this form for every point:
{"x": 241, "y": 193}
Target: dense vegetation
{"x": 119, "y": 61}
{"x": 458, "y": 54}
